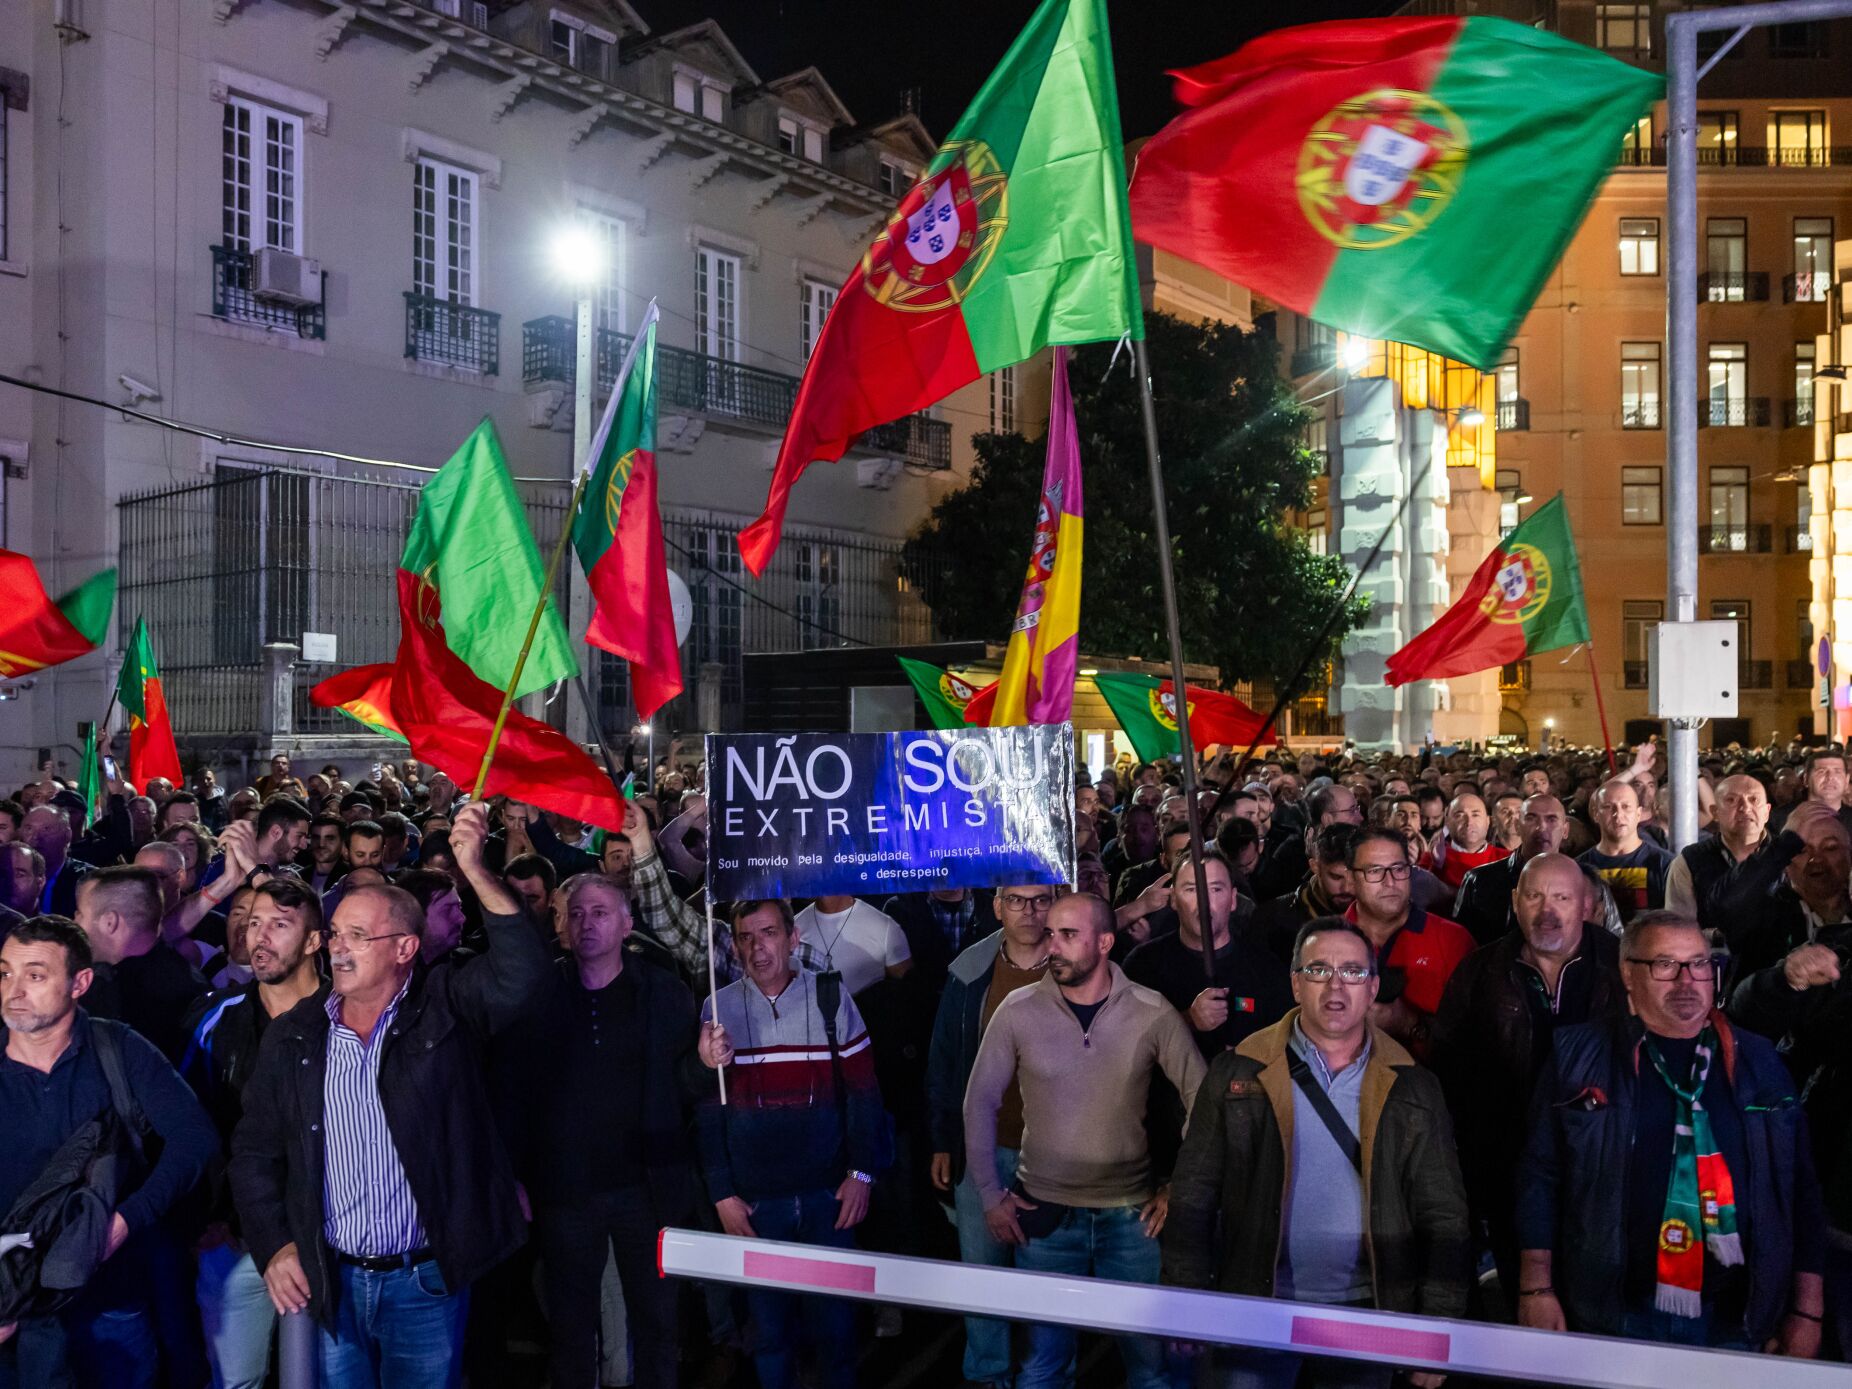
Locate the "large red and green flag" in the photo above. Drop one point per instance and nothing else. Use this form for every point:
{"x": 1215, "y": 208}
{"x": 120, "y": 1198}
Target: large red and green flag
{"x": 1405, "y": 178}
{"x": 1525, "y": 597}
{"x": 37, "y": 630}
{"x": 942, "y": 694}
{"x": 151, "y": 733}
{"x": 364, "y": 694}
{"x": 1146, "y": 708}
{"x": 618, "y": 534}
{"x": 1015, "y": 238}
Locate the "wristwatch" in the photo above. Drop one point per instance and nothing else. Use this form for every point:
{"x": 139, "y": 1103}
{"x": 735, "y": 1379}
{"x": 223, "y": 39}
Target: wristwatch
{"x": 862, "y": 1177}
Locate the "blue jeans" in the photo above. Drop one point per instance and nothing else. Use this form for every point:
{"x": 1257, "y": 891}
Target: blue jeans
{"x": 237, "y": 1315}
{"x": 987, "y": 1340}
{"x": 1105, "y": 1243}
{"x": 806, "y": 1219}
{"x": 1669, "y": 1330}
{"x": 397, "y": 1330}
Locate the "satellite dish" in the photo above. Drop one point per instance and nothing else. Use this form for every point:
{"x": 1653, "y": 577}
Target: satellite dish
{"x": 681, "y": 604}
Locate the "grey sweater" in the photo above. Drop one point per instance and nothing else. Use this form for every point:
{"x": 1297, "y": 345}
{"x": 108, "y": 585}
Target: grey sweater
{"x": 1083, "y": 1095}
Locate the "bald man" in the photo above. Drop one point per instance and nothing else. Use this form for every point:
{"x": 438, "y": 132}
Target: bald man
{"x": 1634, "y": 868}
{"x": 1741, "y": 814}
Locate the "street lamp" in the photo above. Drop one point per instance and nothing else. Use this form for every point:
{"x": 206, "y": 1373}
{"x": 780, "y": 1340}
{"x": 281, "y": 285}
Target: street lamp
{"x": 1472, "y": 416}
{"x": 648, "y": 730}
{"x": 1356, "y": 354}
{"x": 579, "y": 260}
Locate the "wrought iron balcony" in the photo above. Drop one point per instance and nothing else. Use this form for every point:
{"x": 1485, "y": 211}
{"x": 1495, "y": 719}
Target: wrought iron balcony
{"x": 1797, "y": 540}
{"x": 1755, "y": 675}
{"x": 1733, "y": 287}
{"x": 1801, "y": 674}
{"x": 1797, "y": 413}
{"x": 1733, "y": 412}
{"x": 1743, "y": 157}
{"x": 1320, "y": 356}
{"x": 1633, "y": 675}
{"x": 1806, "y": 287}
{"x": 1514, "y": 414}
{"x": 1734, "y": 540}
{"x": 715, "y": 387}
{"x": 1640, "y": 414}
{"x": 234, "y": 301}
{"x": 453, "y": 335}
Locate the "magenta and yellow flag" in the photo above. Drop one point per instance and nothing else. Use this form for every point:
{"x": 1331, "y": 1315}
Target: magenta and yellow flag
{"x": 1037, "y": 684}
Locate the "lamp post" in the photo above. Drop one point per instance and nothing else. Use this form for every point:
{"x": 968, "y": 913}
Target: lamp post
{"x": 578, "y": 259}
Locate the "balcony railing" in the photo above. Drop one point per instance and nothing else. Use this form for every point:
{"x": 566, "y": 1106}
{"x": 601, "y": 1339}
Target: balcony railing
{"x": 712, "y": 386}
{"x": 1633, "y": 675}
{"x": 1801, "y": 674}
{"x": 1733, "y": 287}
{"x": 1320, "y": 356}
{"x": 1797, "y": 540}
{"x": 1797, "y": 413}
{"x": 452, "y": 335}
{"x": 1515, "y": 676}
{"x": 233, "y": 300}
{"x": 1806, "y": 287}
{"x": 1734, "y": 540}
{"x": 1744, "y": 156}
{"x": 1640, "y": 414}
{"x": 1514, "y": 414}
{"x": 1755, "y": 675}
{"x": 1733, "y": 412}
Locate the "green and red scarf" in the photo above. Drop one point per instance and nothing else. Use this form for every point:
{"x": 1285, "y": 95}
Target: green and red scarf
{"x": 1700, "y": 1195}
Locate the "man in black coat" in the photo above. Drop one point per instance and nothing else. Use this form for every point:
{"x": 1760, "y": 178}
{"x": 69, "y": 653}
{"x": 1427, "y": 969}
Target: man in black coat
{"x": 1485, "y": 904}
{"x": 367, "y": 1170}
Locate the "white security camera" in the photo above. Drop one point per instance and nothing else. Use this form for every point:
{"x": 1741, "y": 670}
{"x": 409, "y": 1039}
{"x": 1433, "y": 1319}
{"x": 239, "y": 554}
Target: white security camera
{"x": 138, "y": 390}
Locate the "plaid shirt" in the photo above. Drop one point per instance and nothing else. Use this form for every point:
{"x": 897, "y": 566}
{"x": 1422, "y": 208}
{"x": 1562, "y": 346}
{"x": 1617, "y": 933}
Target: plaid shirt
{"x": 678, "y": 925}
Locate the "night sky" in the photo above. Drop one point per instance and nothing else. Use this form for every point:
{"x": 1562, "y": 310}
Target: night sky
{"x": 871, "y": 51}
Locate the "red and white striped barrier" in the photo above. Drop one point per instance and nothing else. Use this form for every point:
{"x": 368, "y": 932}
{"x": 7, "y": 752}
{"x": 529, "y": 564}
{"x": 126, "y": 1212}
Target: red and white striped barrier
{"x": 1141, "y": 1309}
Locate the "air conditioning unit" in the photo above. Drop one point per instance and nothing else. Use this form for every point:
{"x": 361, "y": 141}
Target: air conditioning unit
{"x": 286, "y": 279}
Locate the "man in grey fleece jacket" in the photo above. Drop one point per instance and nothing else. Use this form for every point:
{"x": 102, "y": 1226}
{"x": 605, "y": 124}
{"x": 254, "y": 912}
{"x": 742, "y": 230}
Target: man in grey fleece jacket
{"x": 1082, "y": 1045}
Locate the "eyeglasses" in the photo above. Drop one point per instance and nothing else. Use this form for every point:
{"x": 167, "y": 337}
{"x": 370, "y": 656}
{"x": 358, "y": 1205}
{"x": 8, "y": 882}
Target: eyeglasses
{"x": 1376, "y": 872}
{"x": 355, "y": 941}
{"x": 1323, "y": 974}
{"x": 1665, "y": 970}
{"x": 1016, "y": 902}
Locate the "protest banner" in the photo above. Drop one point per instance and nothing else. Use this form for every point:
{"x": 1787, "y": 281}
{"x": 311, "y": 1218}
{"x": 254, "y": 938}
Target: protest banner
{"x": 811, "y": 814}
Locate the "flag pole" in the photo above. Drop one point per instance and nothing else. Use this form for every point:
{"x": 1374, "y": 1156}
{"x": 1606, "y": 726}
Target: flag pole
{"x": 707, "y": 901}
{"x": 533, "y": 626}
{"x": 1601, "y": 705}
{"x": 591, "y": 717}
{"x": 1180, "y": 685}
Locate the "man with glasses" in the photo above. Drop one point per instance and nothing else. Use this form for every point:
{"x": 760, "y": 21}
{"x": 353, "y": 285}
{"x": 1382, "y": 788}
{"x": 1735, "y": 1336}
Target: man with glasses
{"x": 1418, "y": 951}
{"x": 1272, "y": 1196}
{"x": 1667, "y": 1191}
{"x": 367, "y": 1171}
{"x": 989, "y": 971}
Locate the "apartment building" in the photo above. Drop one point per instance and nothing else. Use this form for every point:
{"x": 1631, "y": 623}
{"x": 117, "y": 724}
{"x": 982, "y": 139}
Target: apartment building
{"x": 329, "y": 226}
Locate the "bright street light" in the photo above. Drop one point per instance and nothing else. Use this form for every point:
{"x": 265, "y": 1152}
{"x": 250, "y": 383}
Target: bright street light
{"x": 577, "y": 256}
{"x": 1472, "y": 415}
{"x": 1356, "y": 353}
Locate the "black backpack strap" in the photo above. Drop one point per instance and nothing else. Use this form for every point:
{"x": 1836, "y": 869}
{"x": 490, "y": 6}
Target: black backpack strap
{"x": 1347, "y": 1141}
{"x": 108, "y": 1044}
{"x": 829, "y": 999}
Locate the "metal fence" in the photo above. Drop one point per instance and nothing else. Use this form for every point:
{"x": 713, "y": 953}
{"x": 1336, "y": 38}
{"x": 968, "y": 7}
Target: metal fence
{"x": 253, "y": 556}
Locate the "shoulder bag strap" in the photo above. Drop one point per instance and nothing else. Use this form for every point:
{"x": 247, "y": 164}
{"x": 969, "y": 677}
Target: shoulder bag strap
{"x": 1347, "y": 1141}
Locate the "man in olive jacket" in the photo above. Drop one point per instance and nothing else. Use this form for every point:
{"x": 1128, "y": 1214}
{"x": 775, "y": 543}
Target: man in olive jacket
{"x": 1327, "y": 1156}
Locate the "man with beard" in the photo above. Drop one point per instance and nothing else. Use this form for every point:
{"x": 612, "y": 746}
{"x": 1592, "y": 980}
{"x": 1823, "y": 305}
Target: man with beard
{"x": 281, "y": 935}
{"x": 1281, "y": 870}
{"x": 1742, "y": 828}
{"x": 1493, "y": 1031}
{"x": 1486, "y": 900}
{"x": 1667, "y": 1192}
{"x": 325, "y": 857}
{"x": 1326, "y": 891}
{"x": 1136, "y": 842}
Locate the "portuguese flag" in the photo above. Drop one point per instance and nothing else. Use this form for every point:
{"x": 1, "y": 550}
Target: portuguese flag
{"x": 943, "y": 695}
{"x": 618, "y": 534}
{"x": 1525, "y": 597}
{"x": 151, "y": 733}
{"x": 37, "y": 631}
{"x": 1146, "y": 708}
{"x": 1405, "y": 178}
{"x": 1016, "y": 237}
{"x": 364, "y": 694}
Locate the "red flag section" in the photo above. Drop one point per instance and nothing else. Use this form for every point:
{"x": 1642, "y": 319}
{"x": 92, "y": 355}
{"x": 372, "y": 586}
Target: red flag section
{"x": 1466, "y": 638}
{"x": 1215, "y": 717}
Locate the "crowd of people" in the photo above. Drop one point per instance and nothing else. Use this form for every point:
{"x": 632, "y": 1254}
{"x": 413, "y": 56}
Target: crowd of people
{"x": 1455, "y": 1034}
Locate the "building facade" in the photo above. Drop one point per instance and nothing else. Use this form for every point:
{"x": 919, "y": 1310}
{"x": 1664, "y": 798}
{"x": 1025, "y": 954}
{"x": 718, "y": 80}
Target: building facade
{"x": 328, "y": 226}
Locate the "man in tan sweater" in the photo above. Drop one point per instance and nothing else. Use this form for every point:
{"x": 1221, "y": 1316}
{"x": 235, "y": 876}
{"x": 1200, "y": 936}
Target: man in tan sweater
{"x": 1081, "y": 1045}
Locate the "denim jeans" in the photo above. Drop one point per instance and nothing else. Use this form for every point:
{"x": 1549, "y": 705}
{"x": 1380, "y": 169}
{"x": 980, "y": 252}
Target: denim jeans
{"x": 397, "y": 1330}
{"x": 576, "y": 1242}
{"x": 1680, "y": 1331}
{"x": 1109, "y": 1242}
{"x": 987, "y": 1340}
{"x": 806, "y": 1219}
{"x": 238, "y": 1317}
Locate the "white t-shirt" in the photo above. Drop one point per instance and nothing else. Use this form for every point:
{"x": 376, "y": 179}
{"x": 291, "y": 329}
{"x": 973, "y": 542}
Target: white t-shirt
{"x": 860, "y": 944}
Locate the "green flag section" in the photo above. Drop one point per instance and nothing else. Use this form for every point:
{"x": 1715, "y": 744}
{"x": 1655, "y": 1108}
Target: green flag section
{"x": 470, "y": 541}
{"x": 1015, "y": 238}
{"x": 1525, "y": 597}
{"x": 90, "y": 777}
{"x": 1146, "y": 708}
{"x": 364, "y": 694}
{"x": 152, "y": 752}
{"x": 1410, "y": 178}
{"x": 942, "y": 694}
{"x": 35, "y": 630}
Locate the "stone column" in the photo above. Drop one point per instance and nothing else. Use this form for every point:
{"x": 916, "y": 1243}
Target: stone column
{"x": 276, "y": 693}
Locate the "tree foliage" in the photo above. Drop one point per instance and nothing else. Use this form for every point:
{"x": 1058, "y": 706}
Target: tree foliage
{"x": 1251, "y": 594}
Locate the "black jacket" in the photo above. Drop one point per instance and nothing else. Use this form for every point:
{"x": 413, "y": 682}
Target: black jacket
{"x": 932, "y": 955}
{"x": 435, "y": 1095}
{"x": 1484, "y": 902}
{"x": 1757, "y": 909}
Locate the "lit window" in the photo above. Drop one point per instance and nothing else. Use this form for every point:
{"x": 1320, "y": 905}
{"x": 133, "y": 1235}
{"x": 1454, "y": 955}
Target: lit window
{"x": 1625, "y": 29}
{"x": 1813, "y": 259}
{"x": 1637, "y": 145}
{"x": 1727, "y": 375}
{"x": 1729, "y": 509}
{"x": 1797, "y": 139}
{"x": 1638, "y": 618}
{"x": 1641, "y": 496}
{"x": 1717, "y": 143}
{"x": 1803, "y": 388}
{"x": 1639, "y": 245}
{"x": 1726, "y": 246}
{"x": 1639, "y": 385}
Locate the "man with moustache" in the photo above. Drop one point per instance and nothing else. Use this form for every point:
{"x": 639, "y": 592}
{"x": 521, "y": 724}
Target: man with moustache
{"x": 1493, "y": 1030}
{"x": 281, "y": 935}
{"x": 1274, "y": 1195}
{"x": 1487, "y": 894}
{"x": 367, "y": 1171}
{"x": 1667, "y": 1192}
{"x": 1742, "y": 828}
